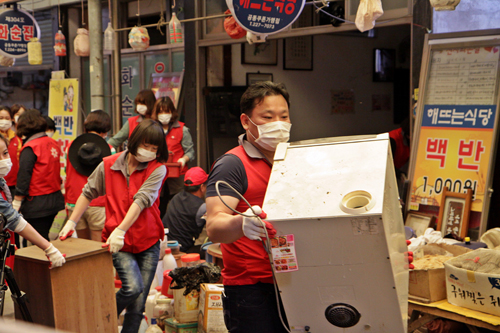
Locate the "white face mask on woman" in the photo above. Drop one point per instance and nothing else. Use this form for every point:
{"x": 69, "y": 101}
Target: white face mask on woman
{"x": 5, "y": 124}
{"x": 5, "y": 166}
{"x": 141, "y": 109}
{"x": 164, "y": 118}
{"x": 144, "y": 155}
{"x": 271, "y": 134}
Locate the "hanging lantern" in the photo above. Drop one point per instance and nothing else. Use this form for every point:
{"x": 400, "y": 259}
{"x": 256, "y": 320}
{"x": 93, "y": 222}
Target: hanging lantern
{"x": 60, "y": 47}
{"x": 138, "y": 38}
{"x": 82, "y": 43}
{"x": 444, "y": 4}
{"x": 109, "y": 38}
{"x": 35, "y": 56}
{"x": 175, "y": 28}
{"x": 7, "y": 61}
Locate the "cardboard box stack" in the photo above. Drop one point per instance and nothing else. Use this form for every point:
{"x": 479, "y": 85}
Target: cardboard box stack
{"x": 210, "y": 315}
{"x": 428, "y": 285}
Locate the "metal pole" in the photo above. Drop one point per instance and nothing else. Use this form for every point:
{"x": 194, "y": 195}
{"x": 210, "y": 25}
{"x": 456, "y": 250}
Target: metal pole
{"x": 96, "y": 67}
{"x": 117, "y": 74}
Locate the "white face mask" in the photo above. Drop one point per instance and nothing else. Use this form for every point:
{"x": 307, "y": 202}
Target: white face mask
{"x": 271, "y": 134}
{"x": 50, "y": 134}
{"x": 5, "y": 124}
{"x": 5, "y": 166}
{"x": 164, "y": 118}
{"x": 141, "y": 109}
{"x": 144, "y": 155}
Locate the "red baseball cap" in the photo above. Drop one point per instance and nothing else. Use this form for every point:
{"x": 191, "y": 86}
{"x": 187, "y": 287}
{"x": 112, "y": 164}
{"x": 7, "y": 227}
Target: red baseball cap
{"x": 195, "y": 176}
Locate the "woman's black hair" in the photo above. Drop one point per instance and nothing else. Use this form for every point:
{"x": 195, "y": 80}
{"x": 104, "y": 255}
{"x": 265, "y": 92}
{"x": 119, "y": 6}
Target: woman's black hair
{"x": 148, "y": 98}
{"x": 6, "y": 108}
{"x": 31, "y": 122}
{"x": 150, "y": 132}
{"x": 4, "y": 139}
{"x": 51, "y": 125}
{"x": 165, "y": 104}
{"x": 97, "y": 121}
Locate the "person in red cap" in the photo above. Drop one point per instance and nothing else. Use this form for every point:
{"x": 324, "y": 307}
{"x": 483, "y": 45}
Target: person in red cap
{"x": 184, "y": 212}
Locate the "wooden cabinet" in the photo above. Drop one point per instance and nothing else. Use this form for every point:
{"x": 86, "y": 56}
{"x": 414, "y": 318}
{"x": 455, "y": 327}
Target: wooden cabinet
{"x": 77, "y": 297}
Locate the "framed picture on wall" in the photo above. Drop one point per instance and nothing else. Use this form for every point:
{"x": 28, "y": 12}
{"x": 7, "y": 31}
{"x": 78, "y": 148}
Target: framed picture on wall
{"x": 167, "y": 85}
{"x": 298, "y": 53}
{"x": 260, "y": 53}
{"x": 454, "y": 213}
{"x": 258, "y": 77}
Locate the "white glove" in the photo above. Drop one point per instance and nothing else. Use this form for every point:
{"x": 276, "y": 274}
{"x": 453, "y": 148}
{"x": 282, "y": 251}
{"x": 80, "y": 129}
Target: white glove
{"x": 116, "y": 240}
{"x": 55, "y": 257}
{"x": 182, "y": 161}
{"x": 68, "y": 230}
{"x": 252, "y": 227}
{"x": 16, "y": 204}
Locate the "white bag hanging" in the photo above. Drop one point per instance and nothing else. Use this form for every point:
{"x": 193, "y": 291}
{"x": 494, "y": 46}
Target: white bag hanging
{"x": 82, "y": 43}
{"x": 368, "y": 12}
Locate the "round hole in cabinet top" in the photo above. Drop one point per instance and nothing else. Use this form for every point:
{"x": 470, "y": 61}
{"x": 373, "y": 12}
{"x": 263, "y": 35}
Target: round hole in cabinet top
{"x": 357, "y": 202}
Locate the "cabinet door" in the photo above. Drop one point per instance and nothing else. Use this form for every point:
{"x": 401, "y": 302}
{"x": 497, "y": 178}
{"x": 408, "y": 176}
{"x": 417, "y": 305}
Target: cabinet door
{"x": 393, "y": 9}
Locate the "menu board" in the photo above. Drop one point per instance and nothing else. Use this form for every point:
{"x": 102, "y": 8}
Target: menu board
{"x": 454, "y": 141}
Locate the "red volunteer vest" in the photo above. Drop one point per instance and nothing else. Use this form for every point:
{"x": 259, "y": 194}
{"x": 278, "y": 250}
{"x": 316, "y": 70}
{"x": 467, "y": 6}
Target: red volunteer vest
{"x": 15, "y": 146}
{"x": 10, "y": 260}
{"x": 402, "y": 153}
{"x": 46, "y": 177}
{"x": 174, "y": 138}
{"x": 148, "y": 228}
{"x": 74, "y": 184}
{"x": 132, "y": 124}
{"x": 246, "y": 261}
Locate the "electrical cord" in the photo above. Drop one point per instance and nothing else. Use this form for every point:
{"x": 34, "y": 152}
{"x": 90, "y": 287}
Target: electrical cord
{"x": 266, "y": 243}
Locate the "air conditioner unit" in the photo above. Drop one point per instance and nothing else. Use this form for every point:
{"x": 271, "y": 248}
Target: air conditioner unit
{"x": 340, "y": 201}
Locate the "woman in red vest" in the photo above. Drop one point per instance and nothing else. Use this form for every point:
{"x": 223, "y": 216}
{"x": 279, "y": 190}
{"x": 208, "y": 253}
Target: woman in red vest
{"x": 97, "y": 122}
{"x": 38, "y": 190}
{"x": 144, "y": 103}
{"x": 15, "y": 221}
{"x": 15, "y": 146}
{"x": 179, "y": 142}
{"x": 130, "y": 182}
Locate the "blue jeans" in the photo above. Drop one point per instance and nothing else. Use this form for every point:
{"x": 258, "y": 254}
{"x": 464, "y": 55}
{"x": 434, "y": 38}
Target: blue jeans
{"x": 252, "y": 308}
{"x": 136, "y": 271}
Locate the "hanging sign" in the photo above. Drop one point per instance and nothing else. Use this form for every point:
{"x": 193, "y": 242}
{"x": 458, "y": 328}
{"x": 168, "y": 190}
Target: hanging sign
{"x": 17, "y": 27}
{"x": 159, "y": 67}
{"x": 265, "y": 16}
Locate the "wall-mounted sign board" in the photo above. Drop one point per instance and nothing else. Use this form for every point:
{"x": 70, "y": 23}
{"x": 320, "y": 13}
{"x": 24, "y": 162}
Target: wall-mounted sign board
{"x": 455, "y": 135}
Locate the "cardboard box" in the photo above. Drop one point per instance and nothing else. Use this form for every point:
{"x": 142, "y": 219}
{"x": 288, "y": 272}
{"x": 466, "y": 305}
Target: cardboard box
{"x": 186, "y": 307}
{"x": 473, "y": 290}
{"x": 210, "y": 315}
{"x": 429, "y": 285}
{"x": 172, "y": 326}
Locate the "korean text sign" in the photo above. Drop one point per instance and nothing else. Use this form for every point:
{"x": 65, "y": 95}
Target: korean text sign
{"x": 456, "y": 131}
{"x": 17, "y": 27}
{"x": 63, "y": 109}
{"x": 265, "y": 16}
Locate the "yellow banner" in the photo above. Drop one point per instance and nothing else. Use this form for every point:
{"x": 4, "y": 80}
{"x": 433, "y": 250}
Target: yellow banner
{"x": 451, "y": 157}
{"x": 63, "y": 109}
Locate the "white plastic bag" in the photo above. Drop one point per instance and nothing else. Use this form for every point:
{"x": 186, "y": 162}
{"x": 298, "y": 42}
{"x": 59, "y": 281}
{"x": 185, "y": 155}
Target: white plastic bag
{"x": 368, "y": 12}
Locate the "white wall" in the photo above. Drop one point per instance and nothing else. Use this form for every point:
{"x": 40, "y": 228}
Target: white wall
{"x": 340, "y": 63}
{"x": 468, "y": 15}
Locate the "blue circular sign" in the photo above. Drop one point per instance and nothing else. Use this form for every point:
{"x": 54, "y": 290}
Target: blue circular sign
{"x": 17, "y": 27}
{"x": 265, "y": 16}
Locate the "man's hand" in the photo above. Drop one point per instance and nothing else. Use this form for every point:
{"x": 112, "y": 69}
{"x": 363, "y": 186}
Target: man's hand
{"x": 55, "y": 256}
{"x": 67, "y": 230}
{"x": 252, "y": 227}
{"x": 115, "y": 241}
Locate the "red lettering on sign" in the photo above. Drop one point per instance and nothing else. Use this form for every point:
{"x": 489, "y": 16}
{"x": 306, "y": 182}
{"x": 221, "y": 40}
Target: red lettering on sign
{"x": 466, "y": 150}
{"x": 289, "y": 8}
{"x": 436, "y": 150}
{"x": 15, "y": 33}
{"x": 265, "y": 7}
{"x": 279, "y": 6}
{"x": 244, "y": 3}
{"x": 215, "y": 297}
{"x": 4, "y": 32}
{"x": 255, "y": 6}
{"x": 27, "y": 32}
